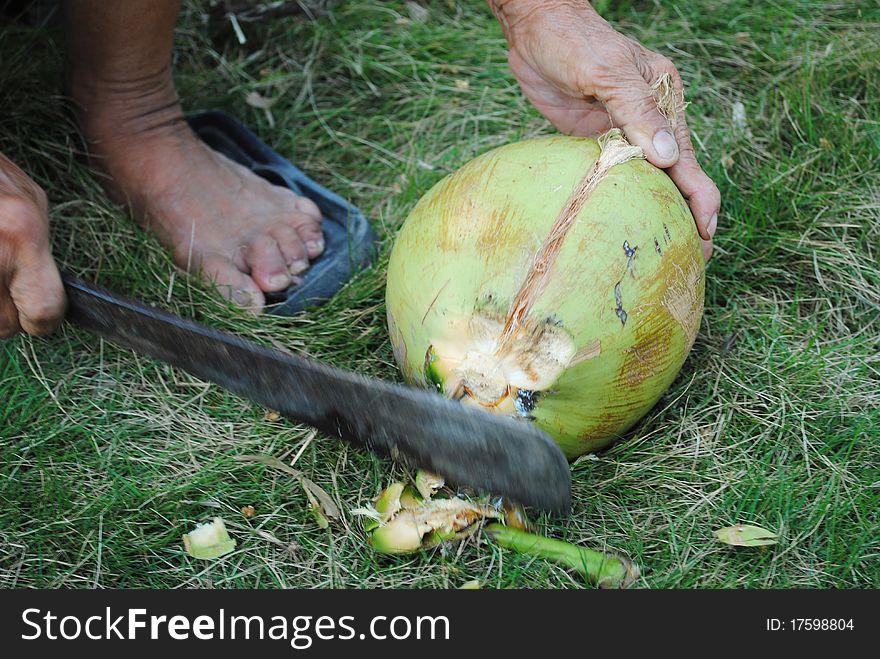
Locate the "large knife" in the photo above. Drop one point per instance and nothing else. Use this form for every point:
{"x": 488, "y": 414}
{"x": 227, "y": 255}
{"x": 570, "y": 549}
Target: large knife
{"x": 469, "y": 447}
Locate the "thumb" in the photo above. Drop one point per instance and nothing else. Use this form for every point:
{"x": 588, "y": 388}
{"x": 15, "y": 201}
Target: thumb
{"x": 632, "y": 107}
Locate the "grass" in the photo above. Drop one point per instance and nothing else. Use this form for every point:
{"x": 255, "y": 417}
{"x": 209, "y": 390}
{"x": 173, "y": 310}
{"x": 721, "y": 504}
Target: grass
{"x": 106, "y": 458}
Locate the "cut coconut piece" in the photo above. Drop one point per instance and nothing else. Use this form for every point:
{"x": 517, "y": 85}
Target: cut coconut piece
{"x": 423, "y": 523}
{"x": 386, "y": 506}
{"x": 427, "y": 483}
{"x": 208, "y": 541}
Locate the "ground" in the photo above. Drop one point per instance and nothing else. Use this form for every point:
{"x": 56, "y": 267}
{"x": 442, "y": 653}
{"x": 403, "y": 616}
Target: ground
{"x": 107, "y": 458}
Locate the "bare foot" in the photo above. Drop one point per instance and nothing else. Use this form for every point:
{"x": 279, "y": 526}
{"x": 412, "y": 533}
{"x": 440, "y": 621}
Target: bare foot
{"x": 217, "y": 218}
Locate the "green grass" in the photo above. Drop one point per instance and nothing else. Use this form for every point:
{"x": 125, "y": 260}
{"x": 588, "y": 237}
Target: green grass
{"x": 107, "y": 458}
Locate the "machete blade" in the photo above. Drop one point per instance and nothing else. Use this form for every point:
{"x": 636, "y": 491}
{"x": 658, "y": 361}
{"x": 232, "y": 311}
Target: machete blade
{"x": 469, "y": 447}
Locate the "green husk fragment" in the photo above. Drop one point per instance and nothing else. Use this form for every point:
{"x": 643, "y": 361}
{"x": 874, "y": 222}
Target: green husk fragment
{"x": 410, "y": 499}
{"x": 603, "y": 570}
{"x": 473, "y": 584}
{"x": 746, "y": 535}
{"x": 401, "y": 535}
{"x": 208, "y": 541}
{"x": 388, "y": 502}
{"x": 386, "y": 506}
{"x": 427, "y": 483}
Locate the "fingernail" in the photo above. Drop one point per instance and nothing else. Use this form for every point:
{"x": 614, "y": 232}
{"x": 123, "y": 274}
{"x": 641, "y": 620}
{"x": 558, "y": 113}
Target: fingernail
{"x": 315, "y": 245}
{"x": 665, "y": 145}
{"x": 298, "y": 266}
{"x": 713, "y": 225}
{"x": 279, "y": 281}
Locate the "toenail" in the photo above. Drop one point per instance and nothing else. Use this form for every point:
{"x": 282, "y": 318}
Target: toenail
{"x": 298, "y": 266}
{"x": 279, "y": 281}
{"x": 242, "y": 299}
{"x": 315, "y": 245}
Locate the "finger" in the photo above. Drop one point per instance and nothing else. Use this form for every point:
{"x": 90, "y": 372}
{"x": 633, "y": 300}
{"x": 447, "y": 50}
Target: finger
{"x": 38, "y": 293}
{"x": 232, "y": 283}
{"x": 9, "y": 325}
{"x": 632, "y": 105}
{"x": 267, "y": 264}
{"x": 707, "y": 249}
{"x": 700, "y": 191}
{"x": 292, "y": 248}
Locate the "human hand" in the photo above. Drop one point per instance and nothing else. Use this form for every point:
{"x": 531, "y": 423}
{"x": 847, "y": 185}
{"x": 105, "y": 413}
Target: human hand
{"x": 31, "y": 294}
{"x": 586, "y": 77}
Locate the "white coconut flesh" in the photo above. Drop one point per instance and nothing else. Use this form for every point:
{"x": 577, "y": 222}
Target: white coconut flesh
{"x": 477, "y": 366}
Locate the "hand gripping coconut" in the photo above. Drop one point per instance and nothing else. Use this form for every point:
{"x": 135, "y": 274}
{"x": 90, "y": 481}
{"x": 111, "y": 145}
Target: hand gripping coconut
{"x": 557, "y": 280}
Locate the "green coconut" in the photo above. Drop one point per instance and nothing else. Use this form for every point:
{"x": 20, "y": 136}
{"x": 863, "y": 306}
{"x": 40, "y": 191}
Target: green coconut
{"x": 557, "y": 280}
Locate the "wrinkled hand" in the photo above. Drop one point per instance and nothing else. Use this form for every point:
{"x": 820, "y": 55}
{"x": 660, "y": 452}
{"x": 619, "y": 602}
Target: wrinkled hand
{"x": 31, "y": 294}
{"x": 585, "y": 77}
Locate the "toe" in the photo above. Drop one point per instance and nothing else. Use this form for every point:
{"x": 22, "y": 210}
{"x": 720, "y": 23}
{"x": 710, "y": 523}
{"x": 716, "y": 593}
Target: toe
{"x": 308, "y": 207}
{"x": 268, "y": 266}
{"x": 311, "y": 236}
{"x": 292, "y": 248}
{"x": 307, "y": 222}
{"x": 232, "y": 283}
